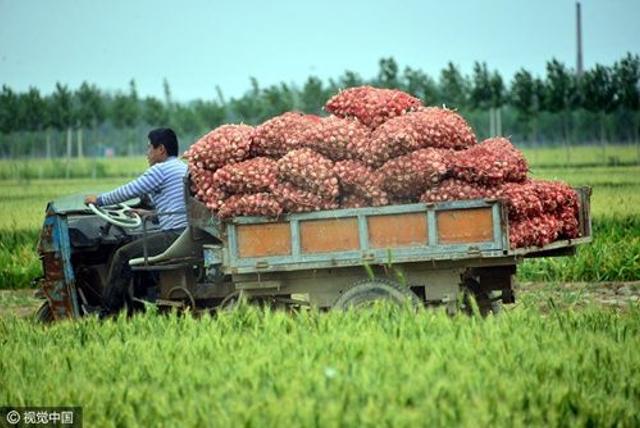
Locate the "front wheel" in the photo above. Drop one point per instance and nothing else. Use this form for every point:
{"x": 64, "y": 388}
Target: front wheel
{"x": 367, "y": 292}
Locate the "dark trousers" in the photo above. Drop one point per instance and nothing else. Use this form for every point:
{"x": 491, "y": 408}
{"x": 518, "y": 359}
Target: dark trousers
{"x": 120, "y": 273}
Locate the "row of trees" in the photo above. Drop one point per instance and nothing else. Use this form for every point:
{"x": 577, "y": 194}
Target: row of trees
{"x": 601, "y": 104}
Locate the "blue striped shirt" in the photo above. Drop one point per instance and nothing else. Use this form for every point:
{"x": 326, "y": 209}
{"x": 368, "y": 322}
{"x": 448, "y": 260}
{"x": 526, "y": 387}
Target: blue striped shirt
{"x": 164, "y": 183}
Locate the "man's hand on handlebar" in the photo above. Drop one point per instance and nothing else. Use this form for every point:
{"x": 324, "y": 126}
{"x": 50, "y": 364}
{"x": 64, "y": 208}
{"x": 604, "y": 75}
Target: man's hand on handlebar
{"x": 91, "y": 199}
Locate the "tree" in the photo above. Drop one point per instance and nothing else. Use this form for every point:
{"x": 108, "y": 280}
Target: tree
{"x": 598, "y": 96}
{"x": 626, "y": 77}
{"x": 560, "y": 96}
{"x": 420, "y": 85}
{"x": 62, "y": 115}
{"x": 90, "y": 111}
{"x": 480, "y": 93}
{"x": 8, "y": 111}
{"x": 388, "y": 73}
{"x": 350, "y": 79}
{"x": 154, "y": 112}
{"x": 248, "y": 108}
{"x": 277, "y": 99}
{"x": 210, "y": 114}
{"x": 454, "y": 88}
{"x": 496, "y": 85}
{"x": 125, "y": 112}
{"x": 313, "y": 96}
{"x": 32, "y": 111}
{"x": 522, "y": 96}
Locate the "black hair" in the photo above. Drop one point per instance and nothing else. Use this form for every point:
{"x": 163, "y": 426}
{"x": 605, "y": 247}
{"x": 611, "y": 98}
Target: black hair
{"x": 167, "y": 138}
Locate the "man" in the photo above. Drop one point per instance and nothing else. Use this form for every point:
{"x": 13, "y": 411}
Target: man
{"x": 163, "y": 183}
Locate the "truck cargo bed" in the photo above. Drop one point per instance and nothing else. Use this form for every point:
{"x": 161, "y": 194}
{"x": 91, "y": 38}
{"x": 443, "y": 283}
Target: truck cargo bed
{"x": 457, "y": 230}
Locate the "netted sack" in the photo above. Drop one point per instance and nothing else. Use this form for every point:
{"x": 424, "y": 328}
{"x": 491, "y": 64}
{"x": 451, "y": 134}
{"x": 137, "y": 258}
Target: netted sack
{"x": 570, "y": 225}
{"x": 277, "y": 136}
{"x": 555, "y": 195}
{"x": 357, "y": 178}
{"x": 224, "y": 145}
{"x": 350, "y": 200}
{"x": 251, "y": 176}
{"x": 336, "y": 138}
{"x": 293, "y": 199}
{"x": 310, "y": 171}
{"x": 371, "y": 106}
{"x": 521, "y": 199}
{"x": 452, "y": 189}
{"x": 493, "y": 161}
{"x": 535, "y": 231}
{"x": 256, "y": 204}
{"x": 561, "y": 199}
{"x": 205, "y": 189}
{"x": 409, "y": 176}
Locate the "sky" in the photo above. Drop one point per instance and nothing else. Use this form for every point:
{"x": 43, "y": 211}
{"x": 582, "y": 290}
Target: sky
{"x": 199, "y": 44}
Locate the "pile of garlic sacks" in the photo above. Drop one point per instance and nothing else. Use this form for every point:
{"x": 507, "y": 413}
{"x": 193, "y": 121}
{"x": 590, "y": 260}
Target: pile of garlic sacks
{"x": 377, "y": 147}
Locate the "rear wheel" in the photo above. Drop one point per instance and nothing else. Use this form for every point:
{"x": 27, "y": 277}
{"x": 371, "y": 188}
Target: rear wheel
{"x": 44, "y": 314}
{"x": 367, "y": 292}
{"x": 489, "y": 302}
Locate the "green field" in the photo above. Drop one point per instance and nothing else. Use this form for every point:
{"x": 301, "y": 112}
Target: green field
{"x": 382, "y": 367}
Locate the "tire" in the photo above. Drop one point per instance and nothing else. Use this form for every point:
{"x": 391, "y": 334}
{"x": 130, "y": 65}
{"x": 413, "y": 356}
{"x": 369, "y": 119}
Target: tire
{"x": 366, "y": 292}
{"x": 488, "y": 301}
{"x": 44, "y": 314}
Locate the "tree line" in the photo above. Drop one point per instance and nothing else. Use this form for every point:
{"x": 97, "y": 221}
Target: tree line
{"x": 600, "y": 105}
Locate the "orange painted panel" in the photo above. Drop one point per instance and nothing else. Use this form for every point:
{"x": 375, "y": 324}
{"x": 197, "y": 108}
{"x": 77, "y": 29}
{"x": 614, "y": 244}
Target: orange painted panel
{"x": 263, "y": 240}
{"x": 323, "y": 236}
{"x": 465, "y": 226}
{"x": 397, "y": 230}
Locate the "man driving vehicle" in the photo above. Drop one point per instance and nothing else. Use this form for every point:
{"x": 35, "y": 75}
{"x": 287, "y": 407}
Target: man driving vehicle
{"x": 163, "y": 183}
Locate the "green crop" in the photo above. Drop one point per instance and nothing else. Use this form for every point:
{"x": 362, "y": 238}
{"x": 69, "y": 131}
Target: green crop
{"x": 380, "y": 367}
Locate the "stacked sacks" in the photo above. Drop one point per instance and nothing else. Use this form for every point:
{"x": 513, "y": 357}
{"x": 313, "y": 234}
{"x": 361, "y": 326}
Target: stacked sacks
{"x": 380, "y": 146}
{"x": 361, "y": 185}
{"x": 493, "y": 161}
{"x": 428, "y": 127}
{"x": 277, "y": 136}
{"x": 336, "y": 138}
{"x": 371, "y": 106}
{"x": 408, "y": 176}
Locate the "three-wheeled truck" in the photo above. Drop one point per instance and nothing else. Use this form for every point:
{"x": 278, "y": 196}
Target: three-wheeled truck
{"x": 421, "y": 254}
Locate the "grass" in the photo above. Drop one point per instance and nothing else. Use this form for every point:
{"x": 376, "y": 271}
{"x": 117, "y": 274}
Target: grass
{"x": 386, "y": 366}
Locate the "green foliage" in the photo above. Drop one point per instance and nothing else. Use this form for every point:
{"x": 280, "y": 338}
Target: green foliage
{"x": 454, "y": 87}
{"x": 61, "y": 110}
{"x": 384, "y": 366}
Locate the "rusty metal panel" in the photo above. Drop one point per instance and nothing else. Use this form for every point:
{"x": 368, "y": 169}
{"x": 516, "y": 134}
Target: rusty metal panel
{"x": 465, "y": 225}
{"x": 397, "y": 230}
{"x": 264, "y": 240}
{"x": 326, "y": 235}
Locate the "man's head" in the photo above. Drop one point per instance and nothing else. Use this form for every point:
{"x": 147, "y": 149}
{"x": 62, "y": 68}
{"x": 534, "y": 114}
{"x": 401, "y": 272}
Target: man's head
{"x": 162, "y": 144}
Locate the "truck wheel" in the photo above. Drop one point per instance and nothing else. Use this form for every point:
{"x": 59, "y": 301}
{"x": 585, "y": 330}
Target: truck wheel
{"x": 44, "y": 314}
{"x": 366, "y": 292}
{"x": 488, "y": 301}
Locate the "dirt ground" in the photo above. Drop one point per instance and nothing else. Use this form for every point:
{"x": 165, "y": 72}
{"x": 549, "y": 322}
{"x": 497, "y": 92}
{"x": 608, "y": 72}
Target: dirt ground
{"x": 614, "y": 295}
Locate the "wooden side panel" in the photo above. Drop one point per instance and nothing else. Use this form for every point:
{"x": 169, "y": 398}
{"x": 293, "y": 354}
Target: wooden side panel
{"x": 398, "y": 230}
{"x": 323, "y": 236}
{"x": 264, "y": 240}
{"x": 465, "y": 226}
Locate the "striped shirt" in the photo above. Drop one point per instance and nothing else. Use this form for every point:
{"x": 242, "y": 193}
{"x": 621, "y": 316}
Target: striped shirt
{"x": 163, "y": 182}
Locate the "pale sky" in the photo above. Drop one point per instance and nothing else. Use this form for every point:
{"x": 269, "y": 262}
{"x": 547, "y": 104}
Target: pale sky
{"x": 198, "y": 44}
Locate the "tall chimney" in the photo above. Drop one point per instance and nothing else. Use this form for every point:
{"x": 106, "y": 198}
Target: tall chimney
{"x": 579, "y": 66}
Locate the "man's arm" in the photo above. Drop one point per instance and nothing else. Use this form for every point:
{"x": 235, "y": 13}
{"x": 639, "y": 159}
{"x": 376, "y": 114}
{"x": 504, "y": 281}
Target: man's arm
{"x": 149, "y": 181}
